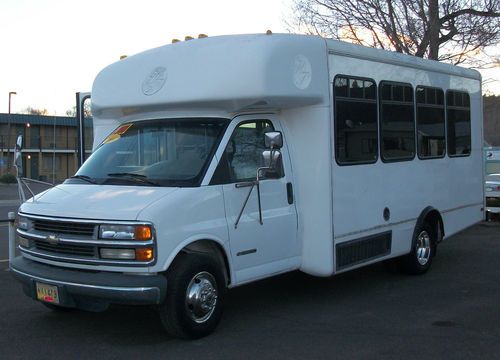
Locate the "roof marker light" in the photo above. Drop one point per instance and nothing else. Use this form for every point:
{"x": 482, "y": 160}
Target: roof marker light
{"x": 202, "y": 36}
{"x": 269, "y": 32}
{"x": 187, "y": 38}
{"x": 123, "y": 57}
{"x": 175, "y": 41}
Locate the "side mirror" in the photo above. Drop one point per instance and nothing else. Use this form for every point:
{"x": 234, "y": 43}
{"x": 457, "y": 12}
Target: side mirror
{"x": 272, "y": 163}
{"x": 18, "y": 159}
{"x": 271, "y": 160}
{"x": 273, "y": 140}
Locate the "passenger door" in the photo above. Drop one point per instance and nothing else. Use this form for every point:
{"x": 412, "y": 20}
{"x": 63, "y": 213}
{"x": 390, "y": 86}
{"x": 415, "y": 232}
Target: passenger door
{"x": 257, "y": 250}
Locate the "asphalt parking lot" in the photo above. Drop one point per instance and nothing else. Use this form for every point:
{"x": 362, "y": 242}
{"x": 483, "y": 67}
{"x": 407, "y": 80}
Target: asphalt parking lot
{"x": 452, "y": 312}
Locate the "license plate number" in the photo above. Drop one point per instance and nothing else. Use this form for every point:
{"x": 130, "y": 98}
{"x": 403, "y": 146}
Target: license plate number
{"x": 47, "y": 293}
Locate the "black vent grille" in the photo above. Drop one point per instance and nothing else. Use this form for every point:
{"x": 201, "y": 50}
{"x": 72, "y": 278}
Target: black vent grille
{"x": 361, "y": 250}
{"x": 60, "y": 227}
{"x": 66, "y": 249}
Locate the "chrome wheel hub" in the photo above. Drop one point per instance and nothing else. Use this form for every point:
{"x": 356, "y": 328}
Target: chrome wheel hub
{"x": 201, "y": 297}
{"x": 423, "y": 248}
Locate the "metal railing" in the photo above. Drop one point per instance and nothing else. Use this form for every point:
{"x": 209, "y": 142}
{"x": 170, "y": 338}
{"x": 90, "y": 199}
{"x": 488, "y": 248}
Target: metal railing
{"x": 45, "y": 143}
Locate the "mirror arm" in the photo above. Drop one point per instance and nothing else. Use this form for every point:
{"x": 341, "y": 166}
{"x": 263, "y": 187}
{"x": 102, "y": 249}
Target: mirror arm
{"x": 258, "y": 198}
{"x": 20, "y": 191}
{"x": 260, "y": 208}
{"x": 253, "y": 184}
{"x": 23, "y": 180}
{"x": 244, "y": 205}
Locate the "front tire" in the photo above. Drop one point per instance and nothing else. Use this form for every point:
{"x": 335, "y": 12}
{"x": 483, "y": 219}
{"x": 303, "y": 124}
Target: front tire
{"x": 419, "y": 260}
{"x": 195, "y": 296}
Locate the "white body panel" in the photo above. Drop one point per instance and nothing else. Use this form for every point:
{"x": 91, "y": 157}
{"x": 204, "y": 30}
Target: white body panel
{"x": 311, "y": 152}
{"x": 288, "y": 80}
{"x": 105, "y": 202}
{"x": 272, "y": 246}
{"x": 450, "y": 185}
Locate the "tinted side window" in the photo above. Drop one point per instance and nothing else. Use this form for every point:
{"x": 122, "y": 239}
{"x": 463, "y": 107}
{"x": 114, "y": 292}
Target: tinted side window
{"x": 458, "y": 117}
{"x": 356, "y": 138}
{"x": 397, "y": 121}
{"x": 430, "y": 122}
{"x": 242, "y": 156}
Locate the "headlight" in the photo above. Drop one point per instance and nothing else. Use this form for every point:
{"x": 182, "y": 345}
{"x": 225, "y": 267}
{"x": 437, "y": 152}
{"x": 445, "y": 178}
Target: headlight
{"x": 125, "y": 232}
{"x": 23, "y": 223}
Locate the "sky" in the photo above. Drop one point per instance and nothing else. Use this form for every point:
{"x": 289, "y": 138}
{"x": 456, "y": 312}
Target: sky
{"x": 51, "y": 49}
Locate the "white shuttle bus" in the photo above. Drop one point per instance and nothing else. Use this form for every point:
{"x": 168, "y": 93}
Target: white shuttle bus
{"x": 221, "y": 161}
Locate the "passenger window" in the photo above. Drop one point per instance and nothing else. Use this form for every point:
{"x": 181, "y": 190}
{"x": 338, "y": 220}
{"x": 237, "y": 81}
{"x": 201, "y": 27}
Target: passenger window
{"x": 430, "y": 122}
{"x": 458, "y": 117}
{"x": 397, "y": 121}
{"x": 242, "y": 156}
{"x": 355, "y": 120}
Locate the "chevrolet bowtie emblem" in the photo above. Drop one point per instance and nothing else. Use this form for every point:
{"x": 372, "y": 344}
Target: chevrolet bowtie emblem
{"x": 53, "y": 239}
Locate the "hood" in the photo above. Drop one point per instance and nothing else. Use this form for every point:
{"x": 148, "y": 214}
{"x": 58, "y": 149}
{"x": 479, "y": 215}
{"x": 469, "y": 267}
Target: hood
{"x": 103, "y": 202}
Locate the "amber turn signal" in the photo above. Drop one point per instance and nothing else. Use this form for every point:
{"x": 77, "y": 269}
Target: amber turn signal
{"x": 143, "y": 232}
{"x": 144, "y": 254}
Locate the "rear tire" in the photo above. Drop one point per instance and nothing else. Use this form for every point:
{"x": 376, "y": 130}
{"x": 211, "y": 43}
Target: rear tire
{"x": 419, "y": 260}
{"x": 195, "y": 296}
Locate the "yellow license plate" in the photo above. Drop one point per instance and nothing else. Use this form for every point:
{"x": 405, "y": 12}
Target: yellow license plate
{"x": 47, "y": 293}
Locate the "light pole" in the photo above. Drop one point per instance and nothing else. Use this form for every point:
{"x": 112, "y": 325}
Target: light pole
{"x": 8, "y": 131}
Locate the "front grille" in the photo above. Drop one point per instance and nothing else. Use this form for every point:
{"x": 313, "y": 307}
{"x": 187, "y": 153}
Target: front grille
{"x": 60, "y": 227}
{"x": 74, "y": 241}
{"x": 67, "y": 249}
{"x": 493, "y": 201}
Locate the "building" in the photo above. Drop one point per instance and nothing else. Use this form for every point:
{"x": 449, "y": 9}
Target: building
{"x": 50, "y": 145}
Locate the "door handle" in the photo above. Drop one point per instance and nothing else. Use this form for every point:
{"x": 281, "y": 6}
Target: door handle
{"x": 289, "y": 192}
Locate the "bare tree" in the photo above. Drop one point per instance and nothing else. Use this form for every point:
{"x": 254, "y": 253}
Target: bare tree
{"x": 87, "y": 110}
{"x": 32, "y": 111}
{"x": 447, "y": 30}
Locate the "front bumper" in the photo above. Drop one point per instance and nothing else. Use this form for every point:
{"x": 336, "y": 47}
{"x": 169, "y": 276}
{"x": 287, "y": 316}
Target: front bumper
{"x": 90, "y": 290}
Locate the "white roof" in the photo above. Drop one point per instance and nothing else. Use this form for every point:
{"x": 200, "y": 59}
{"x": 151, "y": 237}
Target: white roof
{"x": 234, "y": 73}
{"x": 389, "y": 57}
{"x": 230, "y": 73}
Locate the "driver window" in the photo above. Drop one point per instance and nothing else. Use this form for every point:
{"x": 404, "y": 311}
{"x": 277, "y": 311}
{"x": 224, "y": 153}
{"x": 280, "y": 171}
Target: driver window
{"x": 242, "y": 156}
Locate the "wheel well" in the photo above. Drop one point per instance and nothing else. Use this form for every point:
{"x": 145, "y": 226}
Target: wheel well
{"x": 212, "y": 248}
{"x": 434, "y": 219}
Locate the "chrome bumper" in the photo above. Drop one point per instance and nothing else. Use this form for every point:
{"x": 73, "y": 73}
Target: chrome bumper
{"x": 90, "y": 290}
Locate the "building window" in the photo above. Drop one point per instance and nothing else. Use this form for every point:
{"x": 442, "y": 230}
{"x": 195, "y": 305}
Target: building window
{"x": 397, "y": 121}
{"x": 458, "y": 123}
{"x": 356, "y": 136}
{"x": 51, "y": 162}
{"x": 430, "y": 122}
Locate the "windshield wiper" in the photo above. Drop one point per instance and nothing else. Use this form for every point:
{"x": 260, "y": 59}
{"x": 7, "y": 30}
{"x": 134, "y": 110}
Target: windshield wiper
{"x": 135, "y": 177}
{"x": 85, "y": 178}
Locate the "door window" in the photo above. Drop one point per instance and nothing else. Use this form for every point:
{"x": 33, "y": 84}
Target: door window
{"x": 242, "y": 156}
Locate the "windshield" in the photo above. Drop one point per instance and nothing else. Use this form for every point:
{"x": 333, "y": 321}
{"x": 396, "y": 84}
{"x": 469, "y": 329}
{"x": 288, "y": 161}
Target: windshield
{"x": 172, "y": 152}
